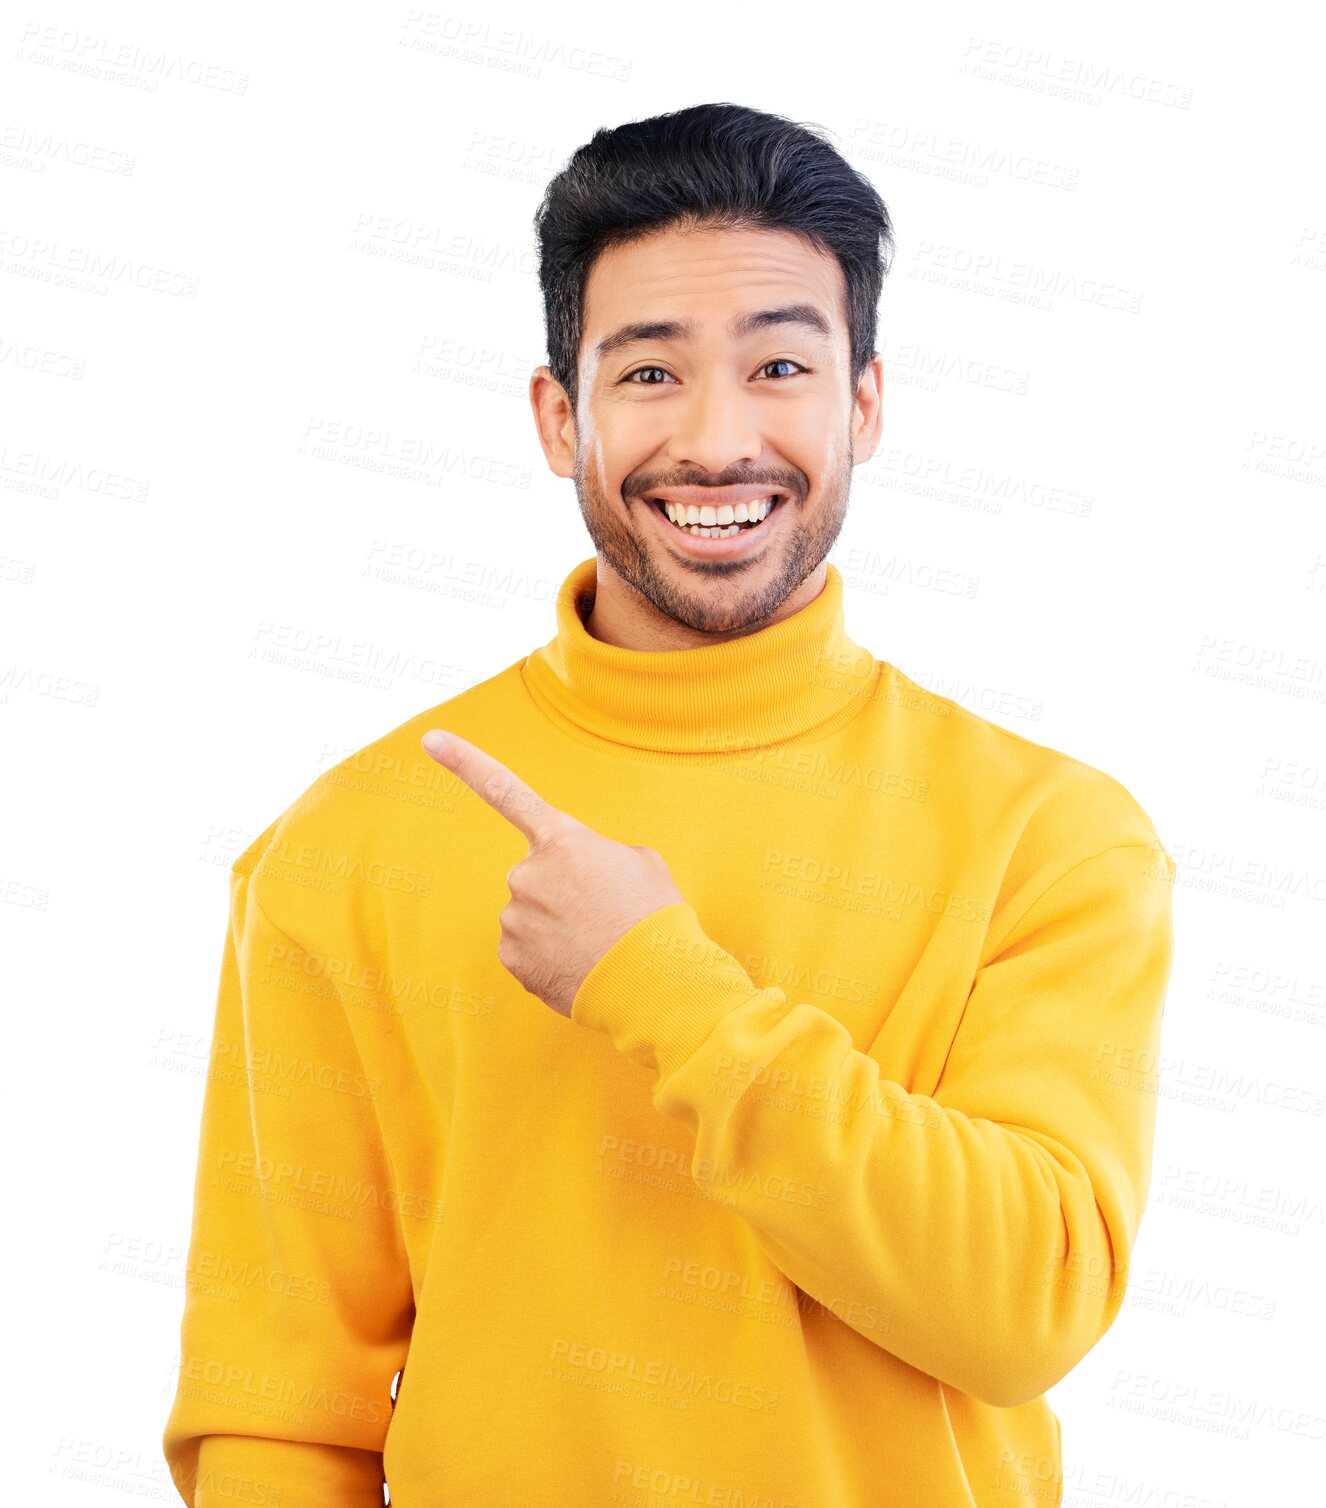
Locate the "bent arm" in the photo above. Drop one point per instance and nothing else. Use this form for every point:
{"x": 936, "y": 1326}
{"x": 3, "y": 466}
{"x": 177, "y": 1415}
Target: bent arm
{"x": 981, "y": 1234}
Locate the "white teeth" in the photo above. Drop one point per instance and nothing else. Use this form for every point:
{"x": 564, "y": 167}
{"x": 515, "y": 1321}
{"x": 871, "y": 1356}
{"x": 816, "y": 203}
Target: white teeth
{"x": 717, "y": 523}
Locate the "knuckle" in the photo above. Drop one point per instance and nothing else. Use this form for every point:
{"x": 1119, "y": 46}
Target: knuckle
{"x": 551, "y": 841}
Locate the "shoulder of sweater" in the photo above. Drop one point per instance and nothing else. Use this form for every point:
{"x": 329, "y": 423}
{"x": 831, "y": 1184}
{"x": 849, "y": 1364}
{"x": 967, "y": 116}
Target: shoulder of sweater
{"x": 363, "y": 822}
{"x": 1052, "y": 809}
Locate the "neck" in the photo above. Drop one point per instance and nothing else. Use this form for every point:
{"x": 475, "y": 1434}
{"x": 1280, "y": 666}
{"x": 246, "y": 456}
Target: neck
{"x": 622, "y": 616}
{"x": 783, "y": 680}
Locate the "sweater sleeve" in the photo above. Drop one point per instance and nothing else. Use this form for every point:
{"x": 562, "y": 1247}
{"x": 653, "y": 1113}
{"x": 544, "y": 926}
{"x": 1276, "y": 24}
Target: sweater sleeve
{"x": 298, "y": 1305}
{"x": 981, "y": 1234}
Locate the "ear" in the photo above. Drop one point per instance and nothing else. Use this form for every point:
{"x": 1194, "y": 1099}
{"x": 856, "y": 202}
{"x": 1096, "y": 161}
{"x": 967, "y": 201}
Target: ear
{"x": 868, "y": 411}
{"x": 554, "y": 419}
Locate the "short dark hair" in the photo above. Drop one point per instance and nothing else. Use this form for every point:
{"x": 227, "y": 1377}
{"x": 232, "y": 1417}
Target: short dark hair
{"x": 719, "y": 165}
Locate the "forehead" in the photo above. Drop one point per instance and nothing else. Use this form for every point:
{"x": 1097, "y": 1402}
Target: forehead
{"x": 708, "y": 276}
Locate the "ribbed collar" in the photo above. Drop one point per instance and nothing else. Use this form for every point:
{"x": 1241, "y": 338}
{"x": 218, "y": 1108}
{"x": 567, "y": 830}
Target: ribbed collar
{"x": 761, "y": 689}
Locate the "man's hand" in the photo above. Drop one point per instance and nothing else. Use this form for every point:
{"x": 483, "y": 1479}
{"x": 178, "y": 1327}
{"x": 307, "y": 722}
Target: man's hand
{"x": 573, "y": 895}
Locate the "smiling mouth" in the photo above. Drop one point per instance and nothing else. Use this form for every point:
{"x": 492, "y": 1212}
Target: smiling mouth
{"x": 719, "y": 523}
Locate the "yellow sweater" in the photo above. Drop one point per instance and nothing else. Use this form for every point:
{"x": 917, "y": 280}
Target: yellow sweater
{"x": 834, "y": 1170}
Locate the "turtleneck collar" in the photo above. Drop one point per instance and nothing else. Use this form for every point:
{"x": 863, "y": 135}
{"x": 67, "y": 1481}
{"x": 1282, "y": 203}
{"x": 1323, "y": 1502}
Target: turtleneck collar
{"x": 764, "y": 688}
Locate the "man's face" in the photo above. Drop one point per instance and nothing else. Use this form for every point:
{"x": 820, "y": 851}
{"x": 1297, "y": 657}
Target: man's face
{"x": 717, "y": 414}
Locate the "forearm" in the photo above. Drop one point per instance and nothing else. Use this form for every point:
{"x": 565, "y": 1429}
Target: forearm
{"x": 980, "y": 1235}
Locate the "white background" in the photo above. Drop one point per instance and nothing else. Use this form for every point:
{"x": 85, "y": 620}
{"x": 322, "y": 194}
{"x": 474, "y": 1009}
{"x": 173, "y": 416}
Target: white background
{"x": 280, "y": 245}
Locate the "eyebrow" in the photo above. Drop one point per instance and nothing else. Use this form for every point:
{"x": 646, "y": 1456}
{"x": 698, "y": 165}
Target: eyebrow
{"x": 805, "y": 315}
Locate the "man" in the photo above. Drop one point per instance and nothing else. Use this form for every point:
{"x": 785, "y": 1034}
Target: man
{"x": 706, "y": 1074}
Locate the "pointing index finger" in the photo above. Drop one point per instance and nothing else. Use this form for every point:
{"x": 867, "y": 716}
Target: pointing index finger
{"x": 490, "y": 780}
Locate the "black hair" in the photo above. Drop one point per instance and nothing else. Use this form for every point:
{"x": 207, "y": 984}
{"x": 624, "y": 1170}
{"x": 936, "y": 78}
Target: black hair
{"x": 719, "y": 165}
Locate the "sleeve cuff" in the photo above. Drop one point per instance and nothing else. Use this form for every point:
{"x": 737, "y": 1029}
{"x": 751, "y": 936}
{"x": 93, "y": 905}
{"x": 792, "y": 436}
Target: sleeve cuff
{"x": 294, "y": 1473}
{"x": 662, "y": 988}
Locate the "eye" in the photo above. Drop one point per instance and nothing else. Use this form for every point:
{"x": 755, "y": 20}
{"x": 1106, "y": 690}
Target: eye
{"x": 785, "y": 361}
{"x": 629, "y": 375}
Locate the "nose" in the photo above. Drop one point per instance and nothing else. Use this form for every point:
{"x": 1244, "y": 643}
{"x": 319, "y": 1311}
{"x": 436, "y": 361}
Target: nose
{"x": 715, "y": 426}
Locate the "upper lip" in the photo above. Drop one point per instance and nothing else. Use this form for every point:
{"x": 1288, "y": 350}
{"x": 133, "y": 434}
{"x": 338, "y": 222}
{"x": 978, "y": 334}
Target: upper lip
{"x": 712, "y": 497}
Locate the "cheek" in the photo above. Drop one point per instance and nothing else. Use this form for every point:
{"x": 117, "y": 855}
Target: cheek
{"x": 634, "y": 437}
{"x": 811, "y": 435}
